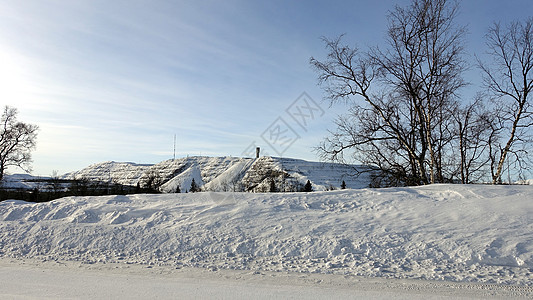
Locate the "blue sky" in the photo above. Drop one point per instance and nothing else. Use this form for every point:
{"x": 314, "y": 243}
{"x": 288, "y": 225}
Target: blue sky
{"x": 116, "y": 80}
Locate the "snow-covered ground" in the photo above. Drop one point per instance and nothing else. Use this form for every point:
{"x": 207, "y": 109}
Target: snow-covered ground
{"x": 31, "y": 279}
{"x": 449, "y": 233}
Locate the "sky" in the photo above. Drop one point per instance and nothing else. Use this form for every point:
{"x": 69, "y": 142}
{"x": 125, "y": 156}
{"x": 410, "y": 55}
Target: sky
{"x": 121, "y": 80}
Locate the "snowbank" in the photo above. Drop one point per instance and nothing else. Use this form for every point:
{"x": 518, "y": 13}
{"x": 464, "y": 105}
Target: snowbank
{"x": 445, "y": 232}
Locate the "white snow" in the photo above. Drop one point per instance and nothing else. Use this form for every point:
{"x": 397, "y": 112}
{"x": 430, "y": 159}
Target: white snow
{"x": 229, "y": 177}
{"x": 227, "y": 173}
{"x": 462, "y": 233}
{"x": 31, "y": 279}
{"x": 21, "y": 181}
{"x": 184, "y": 180}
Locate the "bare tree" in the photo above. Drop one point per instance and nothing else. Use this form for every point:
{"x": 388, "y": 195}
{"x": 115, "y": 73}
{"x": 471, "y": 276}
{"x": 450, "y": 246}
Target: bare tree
{"x": 474, "y": 128}
{"x": 510, "y": 80}
{"x": 17, "y": 140}
{"x": 403, "y": 125}
{"x": 55, "y": 182}
{"x": 80, "y": 186}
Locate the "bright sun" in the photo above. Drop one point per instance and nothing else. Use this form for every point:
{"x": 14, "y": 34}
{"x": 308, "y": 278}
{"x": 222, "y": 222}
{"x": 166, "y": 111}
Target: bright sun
{"x": 14, "y": 86}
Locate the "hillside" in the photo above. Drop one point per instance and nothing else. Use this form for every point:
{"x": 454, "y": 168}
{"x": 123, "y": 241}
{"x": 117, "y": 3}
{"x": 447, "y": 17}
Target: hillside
{"x": 471, "y": 233}
{"x": 227, "y": 174}
{"x": 20, "y": 181}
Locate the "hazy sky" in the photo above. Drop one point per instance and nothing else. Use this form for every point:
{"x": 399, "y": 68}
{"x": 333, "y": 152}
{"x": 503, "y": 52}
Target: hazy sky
{"x": 116, "y": 80}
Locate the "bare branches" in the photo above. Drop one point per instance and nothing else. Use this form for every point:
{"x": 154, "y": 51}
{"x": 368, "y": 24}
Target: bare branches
{"x": 475, "y": 130}
{"x": 17, "y": 139}
{"x": 510, "y": 81}
{"x": 345, "y": 73}
{"x": 403, "y": 124}
{"x": 406, "y": 118}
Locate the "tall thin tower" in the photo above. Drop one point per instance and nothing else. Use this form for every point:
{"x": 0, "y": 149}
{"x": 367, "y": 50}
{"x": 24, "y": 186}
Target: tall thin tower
{"x": 174, "y": 146}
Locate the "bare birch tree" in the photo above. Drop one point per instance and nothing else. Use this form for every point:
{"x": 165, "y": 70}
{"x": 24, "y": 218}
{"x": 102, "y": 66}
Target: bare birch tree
{"x": 510, "y": 81}
{"x": 408, "y": 90}
{"x": 474, "y": 129}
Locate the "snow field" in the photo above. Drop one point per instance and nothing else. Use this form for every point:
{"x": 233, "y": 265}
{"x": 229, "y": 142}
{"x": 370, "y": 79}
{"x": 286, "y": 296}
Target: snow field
{"x": 441, "y": 232}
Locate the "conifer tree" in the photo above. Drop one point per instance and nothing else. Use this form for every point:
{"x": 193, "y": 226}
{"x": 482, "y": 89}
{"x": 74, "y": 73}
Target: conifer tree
{"x": 194, "y": 187}
{"x": 273, "y": 188}
{"x": 343, "y": 185}
{"x": 308, "y": 187}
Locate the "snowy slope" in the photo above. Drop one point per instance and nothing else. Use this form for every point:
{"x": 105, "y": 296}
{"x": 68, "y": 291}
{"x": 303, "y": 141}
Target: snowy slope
{"x": 19, "y": 181}
{"x": 120, "y": 172}
{"x": 183, "y": 180}
{"x": 228, "y": 173}
{"x": 228, "y": 180}
{"x": 323, "y": 175}
{"x": 445, "y": 232}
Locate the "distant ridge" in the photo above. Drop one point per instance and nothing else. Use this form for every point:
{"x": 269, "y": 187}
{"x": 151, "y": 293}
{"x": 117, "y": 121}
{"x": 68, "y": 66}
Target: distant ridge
{"x": 228, "y": 174}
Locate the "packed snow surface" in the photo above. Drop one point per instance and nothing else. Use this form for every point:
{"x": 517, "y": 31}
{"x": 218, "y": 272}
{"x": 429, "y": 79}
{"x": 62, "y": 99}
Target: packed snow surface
{"x": 471, "y": 233}
{"x": 32, "y": 279}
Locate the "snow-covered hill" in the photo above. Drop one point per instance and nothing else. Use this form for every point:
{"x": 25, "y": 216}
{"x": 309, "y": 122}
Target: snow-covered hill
{"x": 228, "y": 174}
{"x": 446, "y": 232}
{"x": 21, "y": 181}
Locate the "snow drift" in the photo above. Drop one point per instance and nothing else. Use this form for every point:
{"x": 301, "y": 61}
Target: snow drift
{"x": 446, "y": 232}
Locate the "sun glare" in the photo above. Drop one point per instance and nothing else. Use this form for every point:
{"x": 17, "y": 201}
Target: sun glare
{"x": 13, "y": 79}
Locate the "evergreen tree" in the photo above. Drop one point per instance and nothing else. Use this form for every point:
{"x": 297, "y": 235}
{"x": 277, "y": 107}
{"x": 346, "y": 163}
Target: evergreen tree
{"x": 194, "y": 187}
{"x": 273, "y": 188}
{"x": 178, "y": 190}
{"x": 343, "y": 185}
{"x": 308, "y": 187}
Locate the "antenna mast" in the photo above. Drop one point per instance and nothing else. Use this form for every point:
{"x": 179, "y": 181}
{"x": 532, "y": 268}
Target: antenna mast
{"x": 174, "y": 146}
